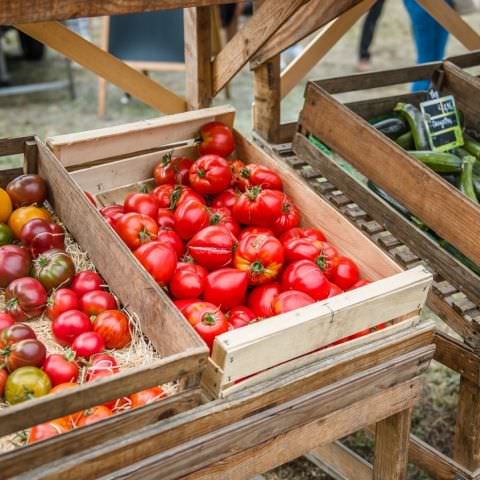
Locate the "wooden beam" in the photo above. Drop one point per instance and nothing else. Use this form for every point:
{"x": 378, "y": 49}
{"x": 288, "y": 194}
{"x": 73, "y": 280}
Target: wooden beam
{"x": 320, "y": 46}
{"x": 267, "y": 19}
{"x": 453, "y": 22}
{"x": 198, "y": 51}
{"x": 26, "y": 11}
{"x": 93, "y": 58}
{"x": 303, "y": 22}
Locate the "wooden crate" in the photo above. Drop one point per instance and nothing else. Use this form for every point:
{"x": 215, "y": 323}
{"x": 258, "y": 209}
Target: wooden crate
{"x": 109, "y": 162}
{"x": 182, "y": 356}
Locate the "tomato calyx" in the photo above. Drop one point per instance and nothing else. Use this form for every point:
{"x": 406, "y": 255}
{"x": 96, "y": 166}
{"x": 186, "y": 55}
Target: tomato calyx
{"x": 321, "y": 261}
{"x": 244, "y": 173}
{"x": 69, "y": 355}
{"x": 144, "y": 235}
{"x": 257, "y": 267}
{"x": 174, "y": 197}
{"x": 215, "y": 218}
{"x": 209, "y": 318}
{"x": 201, "y": 172}
{"x": 166, "y": 159}
{"x": 253, "y": 193}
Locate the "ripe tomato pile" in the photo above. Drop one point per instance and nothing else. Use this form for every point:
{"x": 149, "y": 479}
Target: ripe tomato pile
{"x": 38, "y": 277}
{"x": 225, "y": 241}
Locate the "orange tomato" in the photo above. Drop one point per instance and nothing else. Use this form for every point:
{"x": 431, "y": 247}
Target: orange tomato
{"x": 5, "y": 206}
{"x": 47, "y": 430}
{"x": 145, "y": 397}
{"x": 23, "y": 215}
{"x": 94, "y": 414}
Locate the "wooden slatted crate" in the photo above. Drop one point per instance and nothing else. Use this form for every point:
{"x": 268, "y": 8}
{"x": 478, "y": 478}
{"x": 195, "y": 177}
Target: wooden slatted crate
{"x": 109, "y": 162}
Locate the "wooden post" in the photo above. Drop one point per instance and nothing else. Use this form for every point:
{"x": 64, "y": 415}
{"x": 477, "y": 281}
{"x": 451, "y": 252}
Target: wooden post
{"x": 466, "y": 449}
{"x": 391, "y": 447}
{"x": 198, "y": 52}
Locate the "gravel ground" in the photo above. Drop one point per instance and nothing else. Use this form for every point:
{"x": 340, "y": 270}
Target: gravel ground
{"x": 54, "y": 113}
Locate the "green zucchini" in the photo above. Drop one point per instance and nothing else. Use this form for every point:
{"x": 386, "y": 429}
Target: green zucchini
{"x": 383, "y": 116}
{"x": 414, "y": 118}
{"x": 476, "y": 184}
{"x": 471, "y": 146}
{"x": 406, "y": 141}
{"x": 391, "y": 127}
{"x": 466, "y": 179}
{"x": 452, "y": 178}
{"x": 440, "y": 162}
{"x": 389, "y": 199}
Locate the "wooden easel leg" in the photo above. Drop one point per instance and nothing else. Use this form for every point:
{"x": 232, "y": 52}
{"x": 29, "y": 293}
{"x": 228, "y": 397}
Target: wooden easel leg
{"x": 198, "y": 52}
{"x": 391, "y": 447}
{"x": 466, "y": 449}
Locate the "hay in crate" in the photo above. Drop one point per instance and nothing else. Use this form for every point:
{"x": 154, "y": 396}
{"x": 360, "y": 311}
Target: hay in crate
{"x": 139, "y": 352}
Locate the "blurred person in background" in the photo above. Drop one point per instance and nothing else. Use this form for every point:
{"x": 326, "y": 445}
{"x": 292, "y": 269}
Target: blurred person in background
{"x": 368, "y": 32}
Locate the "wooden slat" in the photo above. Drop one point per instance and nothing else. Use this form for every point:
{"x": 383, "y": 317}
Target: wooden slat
{"x": 411, "y": 183}
{"x": 93, "y": 58}
{"x": 23, "y": 11}
{"x": 86, "y": 147}
{"x": 306, "y": 20}
{"x": 9, "y": 174}
{"x": 320, "y": 46}
{"x": 12, "y": 146}
{"x": 266, "y": 20}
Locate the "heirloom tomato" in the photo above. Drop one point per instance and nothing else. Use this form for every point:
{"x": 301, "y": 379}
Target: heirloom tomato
{"x": 172, "y": 170}
{"x": 254, "y": 230}
{"x": 15, "y": 262}
{"x": 305, "y": 276}
{"x": 159, "y": 259}
{"x": 216, "y": 139}
{"x": 69, "y": 325}
{"x": 208, "y": 321}
{"x": 25, "y": 298}
{"x": 226, "y": 199}
{"x": 96, "y": 302}
{"x": 226, "y": 288}
{"x": 46, "y": 430}
{"x": 288, "y": 217}
{"x": 5, "y": 205}
{"x": 25, "y": 353}
{"x": 258, "y": 207}
{"x": 112, "y": 214}
{"x": 171, "y": 238}
{"x": 165, "y": 219}
{"x": 307, "y": 233}
{"x": 40, "y": 236}
{"x": 6, "y": 234}
{"x": 53, "y": 268}
{"x": 190, "y": 218}
{"x": 87, "y": 344}
{"x": 223, "y": 216}
{"x": 239, "y": 317}
{"x": 261, "y": 256}
{"x": 346, "y": 274}
{"x": 361, "y": 283}
{"x": 290, "y": 300}
{"x": 171, "y": 196}
{"x": 26, "y": 383}
{"x": 212, "y": 247}
{"x": 261, "y": 298}
{"x": 61, "y": 367}
{"x": 60, "y": 301}
{"x": 136, "y": 229}
{"x": 103, "y": 361}
{"x": 188, "y": 281}
{"x": 86, "y": 281}
{"x": 94, "y": 414}
{"x": 334, "y": 290}
{"x": 144, "y": 203}
{"x": 112, "y": 326}
{"x": 139, "y": 399}
{"x": 27, "y": 190}
{"x": 15, "y": 333}
{"x": 252, "y": 174}
{"x": 183, "y": 305}
{"x": 210, "y": 174}
{"x": 21, "y": 216}
{"x": 3, "y": 380}
{"x": 238, "y": 181}
{"x": 5, "y": 320}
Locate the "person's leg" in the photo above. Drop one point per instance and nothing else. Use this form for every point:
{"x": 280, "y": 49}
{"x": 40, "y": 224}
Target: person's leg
{"x": 368, "y": 29}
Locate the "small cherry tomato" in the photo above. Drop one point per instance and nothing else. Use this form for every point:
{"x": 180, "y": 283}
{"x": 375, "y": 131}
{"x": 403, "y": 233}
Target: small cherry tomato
{"x": 217, "y": 139}
{"x": 139, "y": 399}
{"x": 188, "y": 281}
{"x": 172, "y": 170}
{"x": 112, "y": 326}
{"x": 159, "y": 259}
{"x": 25, "y": 298}
{"x": 61, "y": 367}
{"x": 86, "y": 281}
{"x": 60, "y": 301}
{"x": 94, "y": 414}
{"x": 15, "y": 333}
{"x": 97, "y": 301}
{"x": 346, "y": 274}
{"x": 143, "y": 203}
{"x": 210, "y": 175}
{"x": 69, "y": 325}
{"x": 226, "y": 288}
{"x": 260, "y": 300}
{"x": 306, "y": 277}
{"x": 87, "y": 344}
{"x": 290, "y": 300}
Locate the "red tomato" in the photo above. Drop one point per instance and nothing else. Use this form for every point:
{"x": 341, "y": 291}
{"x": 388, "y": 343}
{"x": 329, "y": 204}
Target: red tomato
{"x": 258, "y": 207}
{"x": 171, "y": 238}
{"x": 93, "y": 415}
{"x": 47, "y": 430}
{"x": 182, "y": 305}
{"x": 210, "y": 174}
{"x": 60, "y": 301}
{"x": 101, "y": 365}
{"x": 61, "y": 368}
{"x": 288, "y": 217}
{"x": 143, "y": 203}
{"x": 41, "y": 235}
{"x": 255, "y": 230}
{"x": 3, "y": 380}
{"x": 25, "y": 353}
{"x": 136, "y": 229}
{"x": 226, "y": 199}
{"x": 15, "y": 262}
{"x": 159, "y": 259}
{"x": 217, "y": 139}
{"x": 212, "y": 247}
{"x": 69, "y": 325}
{"x": 226, "y": 287}
{"x": 238, "y": 180}
{"x": 25, "y": 298}
{"x": 171, "y": 196}
{"x": 172, "y": 170}
{"x": 361, "y": 283}
{"x": 319, "y": 252}
{"x": 223, "y": 217}
{"x": 297, "y": 232}
{"x": 188, "y": 281}
{"x": 261, "y": 256}
{"x": 87, "y": 344}
{"x": 86, "y": 281}
{"x": 112, "y": 326}
{"x": 306, "y": 277}
{"x": 208, "y": 321}
{"x": 15, "y": 333}
{"x": 97, "y": 301}
{"x": 290, "y": 300}
{"x": 346, "y": 274}
{"x": 359, "y": 334}
{"x": 261, "y": 298}
{"x": 334, "y": 290}
{"x": 112, "y": 213}
{"x": 239, "y": 317}
{"x": 139, "y": 399}
{"x": 5, "y": 320}
{"x": 190, "y": 218}
{"x": 264, "y": 177}
{"x": 165, "y": 218}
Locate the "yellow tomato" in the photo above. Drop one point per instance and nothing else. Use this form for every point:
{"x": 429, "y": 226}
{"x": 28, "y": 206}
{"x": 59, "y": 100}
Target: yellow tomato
{"x": 23, "y": 215}
{"x": 5, "y": 206}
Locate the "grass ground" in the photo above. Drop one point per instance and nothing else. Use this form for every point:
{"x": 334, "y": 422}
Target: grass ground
{"x": 54, "y": 113}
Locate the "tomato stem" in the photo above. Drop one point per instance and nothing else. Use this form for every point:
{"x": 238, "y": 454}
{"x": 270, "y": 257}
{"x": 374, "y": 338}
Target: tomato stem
{"x": 209, "y": 318}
